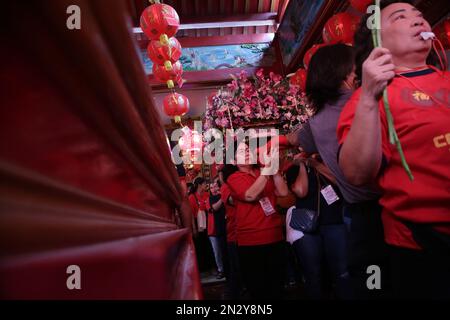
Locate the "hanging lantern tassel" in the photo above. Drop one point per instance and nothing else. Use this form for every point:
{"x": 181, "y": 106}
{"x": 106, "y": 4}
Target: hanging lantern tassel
{"x": 164, "y": 39}
{"x": 169, "y": 77}
{"x": 168, "y": 65}
{"x": 164, "y": 54}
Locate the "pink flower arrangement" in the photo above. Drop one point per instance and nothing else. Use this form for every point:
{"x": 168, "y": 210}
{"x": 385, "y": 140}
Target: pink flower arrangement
{"x": 256, "y": 100}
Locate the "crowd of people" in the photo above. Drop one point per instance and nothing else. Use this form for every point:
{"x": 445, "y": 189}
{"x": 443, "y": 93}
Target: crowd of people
{"x": 355, "y": 206}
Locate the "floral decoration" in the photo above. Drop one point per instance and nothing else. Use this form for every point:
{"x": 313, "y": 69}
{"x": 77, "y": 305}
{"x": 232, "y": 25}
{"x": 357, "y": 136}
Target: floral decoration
{"x": 250, "y": 101}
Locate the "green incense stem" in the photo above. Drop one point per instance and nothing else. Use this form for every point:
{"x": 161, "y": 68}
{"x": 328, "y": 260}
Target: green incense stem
{"x": 389, "y": 118}
{"x": 393, "y": 137}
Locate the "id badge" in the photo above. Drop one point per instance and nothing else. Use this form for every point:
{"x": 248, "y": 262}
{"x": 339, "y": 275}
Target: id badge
{"x": 267, "y": 207}
{"x": 329, "y": 194}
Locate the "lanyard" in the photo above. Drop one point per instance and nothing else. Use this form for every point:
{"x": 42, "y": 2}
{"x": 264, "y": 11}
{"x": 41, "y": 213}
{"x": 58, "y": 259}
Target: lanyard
{"x": 421, "y": 89}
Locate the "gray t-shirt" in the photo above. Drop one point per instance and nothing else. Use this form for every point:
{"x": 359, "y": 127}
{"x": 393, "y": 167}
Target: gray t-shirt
{"x": 319, "y": 135}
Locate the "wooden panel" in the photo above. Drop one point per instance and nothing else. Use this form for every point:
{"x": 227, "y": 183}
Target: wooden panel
{"x": 227, "y": 31}
{"x": 226, "y": 40}
{"x": 239, "y": 9}
{"x": 267, "y": 5}
{"x": 214, "y": 32}
{"x": 229, "y": 7}
{"x": 229, "y": 18}
{"x": 261, "y": 29}
{"x": 282, "y": 9}
{"x": 186, "y": 8}
{"x": 314, "y": 35}
{"x": 252, "y": 6}
{"x": 171, "y": 3}
{"x": 274, "y": 6}
{"x": 211, "y": 77}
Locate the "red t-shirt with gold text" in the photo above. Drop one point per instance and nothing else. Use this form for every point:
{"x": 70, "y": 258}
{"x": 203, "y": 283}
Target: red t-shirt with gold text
{"x": 253, "y": 227}
{"x": 420, "y": 105}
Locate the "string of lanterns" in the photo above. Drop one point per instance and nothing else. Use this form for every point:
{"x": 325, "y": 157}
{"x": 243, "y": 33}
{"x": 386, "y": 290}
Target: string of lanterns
{"x": 160, "y": 23}
{"x": 341, "y": 27}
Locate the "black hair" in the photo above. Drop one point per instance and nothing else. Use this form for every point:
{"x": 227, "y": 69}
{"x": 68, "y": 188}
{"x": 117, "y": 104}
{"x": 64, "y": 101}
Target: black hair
{"x": 328, "y": 68}
{"x": 216, "y": 179}
{"x": 228, "y": 170}
{"x": 291, "y": 175}
{"x": 363, "y": 39}
{"x": 250, "y": 142}
{"x": 198, "y": 181}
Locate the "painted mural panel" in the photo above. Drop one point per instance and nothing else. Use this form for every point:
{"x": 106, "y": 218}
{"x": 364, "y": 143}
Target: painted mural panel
{"x": 297, "y": 21}
{"x": 221, "y": 57}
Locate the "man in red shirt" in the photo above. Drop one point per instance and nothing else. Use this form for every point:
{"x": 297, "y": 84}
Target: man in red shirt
{"x": 416, "y": 214}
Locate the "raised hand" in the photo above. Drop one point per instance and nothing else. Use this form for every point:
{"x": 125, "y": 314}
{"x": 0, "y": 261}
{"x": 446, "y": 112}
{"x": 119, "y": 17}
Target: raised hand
{"x": 377, "y": 71}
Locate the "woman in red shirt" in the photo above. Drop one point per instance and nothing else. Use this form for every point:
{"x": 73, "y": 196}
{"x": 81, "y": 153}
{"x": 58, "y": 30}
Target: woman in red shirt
{"x": 259, "y": 230}
{"x": 198, "y": 201}
{"x": 416, "y": 214}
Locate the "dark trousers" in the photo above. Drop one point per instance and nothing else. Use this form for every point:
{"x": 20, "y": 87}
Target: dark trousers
{"x": 234, "y": 281}
{"x": 366, "y": 247}
{"x": 204, "y": 253}
{"x": 422, "y": 274}
{"x": 263, "y": 269}
{"x": 328, "y": 244}
{"x": 292, "y": 272}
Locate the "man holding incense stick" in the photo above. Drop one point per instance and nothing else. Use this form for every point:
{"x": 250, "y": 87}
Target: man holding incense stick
{"x": 396, "y": 80}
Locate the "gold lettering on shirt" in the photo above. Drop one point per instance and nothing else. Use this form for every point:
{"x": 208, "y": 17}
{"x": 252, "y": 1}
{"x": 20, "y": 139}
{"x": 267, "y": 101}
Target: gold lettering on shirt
{"x": 442, "y": 141}
{"x": 421, "y": 96}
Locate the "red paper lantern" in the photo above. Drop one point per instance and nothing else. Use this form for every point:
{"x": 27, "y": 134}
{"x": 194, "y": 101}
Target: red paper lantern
{"x": 361, "y": 5}
{"x": 164, "y": 54}
{"x": 176, "y": 105}
{"x": 168, "y": 76}
{"x": 442, "y": 32}
{"x": 340, "y": 28}
{"x": 309, "y": 54}
{"x": 159, "y": 20}
{"x": 299, "y": 79}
